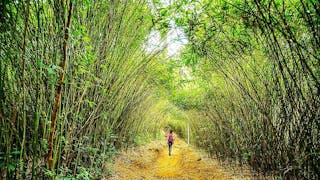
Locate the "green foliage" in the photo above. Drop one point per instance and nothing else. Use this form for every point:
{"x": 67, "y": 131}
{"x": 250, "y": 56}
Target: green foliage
{"x": 247, "y": 82}
{"x": 143, "y": 139}
{"x": 257, "y": 75}
{"x": 178, "y": 126}
{"x": 106, "y": 95}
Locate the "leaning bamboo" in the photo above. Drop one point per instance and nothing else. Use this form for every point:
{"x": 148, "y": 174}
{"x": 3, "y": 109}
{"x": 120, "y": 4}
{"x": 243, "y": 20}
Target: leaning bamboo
{"x": 59, "y": 89}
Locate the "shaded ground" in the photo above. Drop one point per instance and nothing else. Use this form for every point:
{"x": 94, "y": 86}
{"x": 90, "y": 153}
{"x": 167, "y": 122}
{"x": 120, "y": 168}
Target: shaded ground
{"x": 153, "y": 162}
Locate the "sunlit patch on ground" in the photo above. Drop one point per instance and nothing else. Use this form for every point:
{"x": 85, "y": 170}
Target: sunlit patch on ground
{"x": 153, "y": 162}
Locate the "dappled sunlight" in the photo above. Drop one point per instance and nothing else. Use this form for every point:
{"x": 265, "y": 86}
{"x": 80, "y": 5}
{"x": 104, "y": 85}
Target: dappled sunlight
{"x": 153, "y": 162}
{"x": 87, "y": 86}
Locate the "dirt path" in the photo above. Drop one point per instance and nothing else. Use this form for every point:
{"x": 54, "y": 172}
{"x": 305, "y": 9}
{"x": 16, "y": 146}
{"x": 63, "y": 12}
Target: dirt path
{"x": 184, "y": 163}
{"x": 153, "y": 162}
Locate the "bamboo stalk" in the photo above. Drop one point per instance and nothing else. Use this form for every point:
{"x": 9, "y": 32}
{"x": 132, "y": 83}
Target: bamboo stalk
{"x": 59, "y": 89}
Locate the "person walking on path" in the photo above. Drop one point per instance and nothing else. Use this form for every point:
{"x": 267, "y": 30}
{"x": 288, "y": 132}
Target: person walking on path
{"x": 170, "y": 141}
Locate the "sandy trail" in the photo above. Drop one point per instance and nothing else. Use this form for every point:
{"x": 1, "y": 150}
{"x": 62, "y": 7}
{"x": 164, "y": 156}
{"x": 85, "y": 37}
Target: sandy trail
{"x": 153, "y": 162}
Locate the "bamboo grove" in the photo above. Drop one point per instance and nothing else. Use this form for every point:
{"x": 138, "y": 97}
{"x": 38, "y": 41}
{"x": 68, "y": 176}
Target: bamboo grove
{"x": 78, "y": 82}
{"x": 257, "y": 65}
{"x": 74, "y": 85}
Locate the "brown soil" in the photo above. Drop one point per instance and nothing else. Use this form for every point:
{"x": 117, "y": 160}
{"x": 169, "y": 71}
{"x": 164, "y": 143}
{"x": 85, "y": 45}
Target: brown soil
{"x": 153, "y": 162}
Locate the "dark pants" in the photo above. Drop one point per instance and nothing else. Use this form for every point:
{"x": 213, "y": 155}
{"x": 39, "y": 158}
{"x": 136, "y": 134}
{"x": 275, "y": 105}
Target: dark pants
{"x": 170, "y": 147}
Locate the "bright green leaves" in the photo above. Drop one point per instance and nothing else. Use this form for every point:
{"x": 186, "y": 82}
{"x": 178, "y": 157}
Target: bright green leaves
{"x": 86, "y": 39}
{"x": 180, "y": 21}
{"x": 86, "y": 57}
{"x": 189, "y": 56}
{"x": 52, "y": 69}
{"x": 91, "y": 103}
{"x": 10, "y": 161}
{"x": 16, "y": 152}
{"x": 40, "y": 63}
{"x": 164, "y": 12}
{"x": 11, "y": 167}
{"x": 87, "y": 4}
